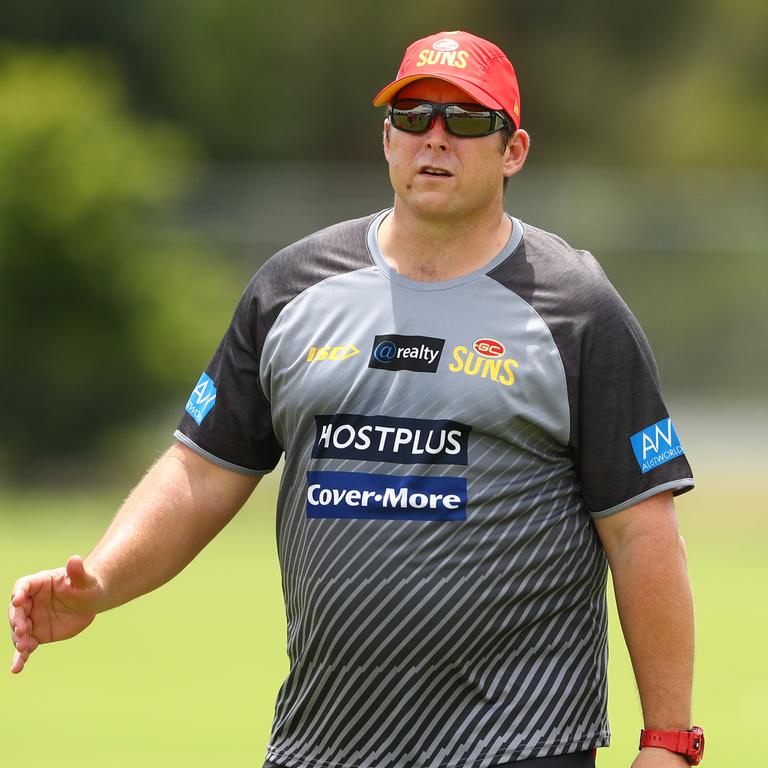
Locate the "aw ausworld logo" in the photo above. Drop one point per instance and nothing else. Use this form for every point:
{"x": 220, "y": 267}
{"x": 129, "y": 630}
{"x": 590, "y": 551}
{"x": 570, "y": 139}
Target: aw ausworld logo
{"x": 202, "y": 399}
{"x": 656, "y": 445}
{"x": 392, "y": 352}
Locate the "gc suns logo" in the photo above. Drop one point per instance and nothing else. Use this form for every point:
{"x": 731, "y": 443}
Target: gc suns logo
{"x": 445, "y": 44}
{"x": 488, "y": 348}
{"x": 485, "y": 359}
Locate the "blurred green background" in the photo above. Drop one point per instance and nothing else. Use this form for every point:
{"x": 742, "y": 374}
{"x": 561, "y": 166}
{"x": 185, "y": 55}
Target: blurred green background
{"x": 187, "y": 676}
{"x": 153, "y": 154}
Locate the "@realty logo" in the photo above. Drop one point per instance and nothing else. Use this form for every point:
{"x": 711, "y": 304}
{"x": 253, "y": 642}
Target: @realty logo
{"x": 385, "y": 352}
{"x": 393, "y": 352}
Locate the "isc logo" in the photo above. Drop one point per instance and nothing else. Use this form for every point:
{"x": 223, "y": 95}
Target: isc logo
{"x": 340, "y": 352}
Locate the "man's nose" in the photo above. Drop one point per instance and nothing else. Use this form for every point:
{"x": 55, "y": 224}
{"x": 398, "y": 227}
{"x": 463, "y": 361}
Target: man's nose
{"x": 437, "y": 133}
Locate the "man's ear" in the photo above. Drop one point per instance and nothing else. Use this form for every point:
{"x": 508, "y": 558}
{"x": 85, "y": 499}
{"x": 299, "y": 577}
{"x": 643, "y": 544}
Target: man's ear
{"x": 516, "y": 152}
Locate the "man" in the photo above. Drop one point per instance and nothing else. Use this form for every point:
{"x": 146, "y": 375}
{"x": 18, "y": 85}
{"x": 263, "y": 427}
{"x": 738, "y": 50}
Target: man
{"x": 472, "y": 426}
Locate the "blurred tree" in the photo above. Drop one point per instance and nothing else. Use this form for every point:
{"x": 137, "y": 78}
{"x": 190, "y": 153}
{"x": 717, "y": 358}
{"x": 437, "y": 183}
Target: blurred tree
{"x": 99, "y": 323}
{"x": 706, "y": 103}
{"x": 259, "y": 79}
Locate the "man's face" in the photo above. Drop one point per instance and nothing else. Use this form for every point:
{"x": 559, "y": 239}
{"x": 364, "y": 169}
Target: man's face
{"x": 475, "y": 166}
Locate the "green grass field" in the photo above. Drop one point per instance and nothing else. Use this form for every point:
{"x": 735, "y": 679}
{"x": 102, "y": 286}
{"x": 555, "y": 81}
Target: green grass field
{"x": 187, "y": 676}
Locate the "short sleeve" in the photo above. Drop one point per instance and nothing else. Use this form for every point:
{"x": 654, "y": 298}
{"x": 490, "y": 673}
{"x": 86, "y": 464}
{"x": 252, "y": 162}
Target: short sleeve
{"x": 227, "y": 418}
{"x": 625, "y": 444}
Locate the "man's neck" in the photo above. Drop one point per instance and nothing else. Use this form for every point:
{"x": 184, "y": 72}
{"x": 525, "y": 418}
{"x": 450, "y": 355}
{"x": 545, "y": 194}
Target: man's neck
{"x": 434, "y": 249}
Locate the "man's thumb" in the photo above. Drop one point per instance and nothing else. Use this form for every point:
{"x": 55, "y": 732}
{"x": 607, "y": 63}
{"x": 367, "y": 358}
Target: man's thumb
{"x": 80, "y": 578}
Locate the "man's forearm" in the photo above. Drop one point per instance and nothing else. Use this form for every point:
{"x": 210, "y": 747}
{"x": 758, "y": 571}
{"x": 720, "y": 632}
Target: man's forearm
{"x": 177, "y": 508}
{"x": 655, "y": 605}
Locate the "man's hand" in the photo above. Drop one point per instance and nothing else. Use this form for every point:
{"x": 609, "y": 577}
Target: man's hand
{"x": 51, "y": 605}
{"x": 655, "y": 757}
{"x": 178, "y": 507}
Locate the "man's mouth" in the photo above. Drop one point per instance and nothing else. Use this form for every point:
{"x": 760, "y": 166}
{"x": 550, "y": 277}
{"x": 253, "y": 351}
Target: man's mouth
{"x": 430, "y": 170}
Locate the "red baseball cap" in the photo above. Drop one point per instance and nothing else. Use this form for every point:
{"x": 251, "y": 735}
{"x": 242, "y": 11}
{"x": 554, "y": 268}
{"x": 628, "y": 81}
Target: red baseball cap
{"x": 473, "y": 64}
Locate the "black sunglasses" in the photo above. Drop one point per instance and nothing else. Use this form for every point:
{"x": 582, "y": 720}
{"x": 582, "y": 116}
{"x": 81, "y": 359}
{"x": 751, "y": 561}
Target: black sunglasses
{"x": 416, "y": 116}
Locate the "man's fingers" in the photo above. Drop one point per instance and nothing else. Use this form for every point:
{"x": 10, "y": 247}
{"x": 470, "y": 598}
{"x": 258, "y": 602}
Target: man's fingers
{"x": 20, "y": 658}
{"x": 17, "y": 663}
{"x": 22, "y": 652}
{"x": 26, "y": 644}
{"x": 22, "y": 627}
{"x": 20, "y": 591}
{"x": 17, "y": 617}
{"x": 28, "y": 587}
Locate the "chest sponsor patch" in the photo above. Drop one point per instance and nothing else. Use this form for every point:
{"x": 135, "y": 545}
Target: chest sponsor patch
{"x": 656, "y": 445}
{"x": 362, "y": 496}
{"x": 396, "y": 440}
{"x": 202, "y": 399}
{"x": 393, "y": 352}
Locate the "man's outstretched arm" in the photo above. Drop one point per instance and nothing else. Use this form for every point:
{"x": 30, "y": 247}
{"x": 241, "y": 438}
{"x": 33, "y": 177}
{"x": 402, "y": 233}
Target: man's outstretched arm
{"x": 653, "y": 596}
{"x": 177, "y": 508}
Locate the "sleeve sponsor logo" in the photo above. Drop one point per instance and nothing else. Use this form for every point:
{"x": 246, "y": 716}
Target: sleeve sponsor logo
{"x": 393, "y": 352}
{"x": 500, "y": 370}
{"x": 202, "y": 399}
{"x": 383, "y": 438}
{"x": 339, "y": 352}
{"x": 361, "y": 496}
{"x": 656, "y": 445}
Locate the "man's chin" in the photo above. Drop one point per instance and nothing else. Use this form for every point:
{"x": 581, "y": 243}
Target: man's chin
{"x": 433, "y": 206}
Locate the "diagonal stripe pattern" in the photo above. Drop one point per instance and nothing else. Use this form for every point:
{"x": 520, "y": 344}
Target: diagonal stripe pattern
{"x": 416, "y": 643}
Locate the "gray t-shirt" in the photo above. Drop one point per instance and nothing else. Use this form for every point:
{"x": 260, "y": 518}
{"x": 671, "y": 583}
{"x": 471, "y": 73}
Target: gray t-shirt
{"x": 446, "y": 446}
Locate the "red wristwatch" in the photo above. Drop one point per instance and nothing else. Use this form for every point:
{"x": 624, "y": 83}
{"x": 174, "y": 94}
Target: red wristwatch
{"x": 689, "y": 744}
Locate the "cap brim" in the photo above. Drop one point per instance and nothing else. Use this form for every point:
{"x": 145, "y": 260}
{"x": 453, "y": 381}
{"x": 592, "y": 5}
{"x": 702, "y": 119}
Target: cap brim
{"x": 386, "y": 95}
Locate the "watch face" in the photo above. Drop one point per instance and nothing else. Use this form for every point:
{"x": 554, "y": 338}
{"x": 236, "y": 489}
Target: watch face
{"x": 696, "y": 745}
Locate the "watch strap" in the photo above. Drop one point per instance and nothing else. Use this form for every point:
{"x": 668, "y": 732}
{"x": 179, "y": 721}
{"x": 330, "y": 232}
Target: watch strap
{"x": 690, "y": 743}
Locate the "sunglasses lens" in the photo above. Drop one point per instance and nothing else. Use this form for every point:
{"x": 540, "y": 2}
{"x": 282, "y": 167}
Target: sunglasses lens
{"x": 411, "y": 116}
{"x": 460, "y": 119}
{"x": 466, "y": 122}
